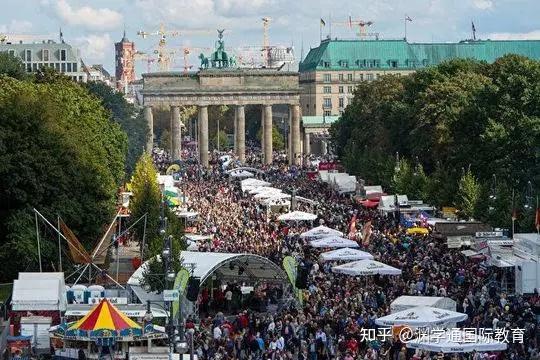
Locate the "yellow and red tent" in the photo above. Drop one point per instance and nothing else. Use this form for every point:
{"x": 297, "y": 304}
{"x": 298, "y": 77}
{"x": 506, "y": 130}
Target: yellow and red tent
{"x": 105, "y": 316}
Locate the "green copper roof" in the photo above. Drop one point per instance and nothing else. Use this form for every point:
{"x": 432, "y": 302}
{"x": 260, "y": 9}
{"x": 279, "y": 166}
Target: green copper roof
{"x": 399, "y": 54}
{"x": 319, "y": 120}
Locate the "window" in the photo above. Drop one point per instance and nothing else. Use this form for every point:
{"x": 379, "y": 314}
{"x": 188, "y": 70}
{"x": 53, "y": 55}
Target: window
{"x": 393, "y": 63}
{"x": 68, "y": 67}
{"x": 326, "y": 64}
{"x": 57, "y": 66}
{"x": 327, "y": 77}
{"x": 327, "y": 103}
{"x": 307, "y": 106}
{"x": 350, "y": 89}
{"x": 28, "y": 67}
{"x": 327, "y": 113}
{"x": 74, "y": 67}
{"x": 369, "y": 77}
{"x": 11, "y": 52}
{"x": 63, "y": 68}
{"x": 45, "y": 54}
{"x": 340, "y": 89}
{"x": 361, "y": 77}
{"x": 327, "y": 89}
{"x": 340, "y": 77}
{"x": 349, "y": 77}
{"x": 425, "y": 62}
{"x": 35, "y": 66}
{"x": 344, "y": 63}
{"x": 63, "y": 55}
{"x": 341, "y": 102}
{"x": 28, "y": 55}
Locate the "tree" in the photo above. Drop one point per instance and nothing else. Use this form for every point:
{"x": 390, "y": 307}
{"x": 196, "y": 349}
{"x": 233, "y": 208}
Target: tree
{"x": 127, "y": 116}
{"x": 12, "y": 66}
{"x": 165, "y": 140}
{"x": 223, "y": 141}
{"x": 146, "y": 199}
{"x": 278, "y": 141}
{"x": 468, "y": 195}
{"x": 60, "y": 154}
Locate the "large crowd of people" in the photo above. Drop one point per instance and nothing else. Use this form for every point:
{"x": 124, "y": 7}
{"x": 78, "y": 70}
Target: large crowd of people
{"x": 337, "y": 308}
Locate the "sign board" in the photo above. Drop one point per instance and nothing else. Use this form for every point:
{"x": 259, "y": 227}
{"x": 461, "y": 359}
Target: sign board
{"x": 112, "y": 300}
{"x": 488, "y": 234}
{"x": 171, "y": 295}
{"x": 153, "y": 356}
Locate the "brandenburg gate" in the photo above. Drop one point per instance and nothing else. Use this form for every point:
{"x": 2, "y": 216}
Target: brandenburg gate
{"x": 220, "y": 82}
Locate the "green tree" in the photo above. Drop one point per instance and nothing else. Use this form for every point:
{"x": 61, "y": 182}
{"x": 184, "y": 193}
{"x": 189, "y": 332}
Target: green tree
{"x": 146, "y": 199}
{"x": 165, "y": 140}
{"x": 12, "y": 66}
{"x": 127, "y": 116}
{"x": 60, "y": 154}
{"x": 468, "y": 197}
{"x": 278, "y": 141}
{"x": 223, "y": 141}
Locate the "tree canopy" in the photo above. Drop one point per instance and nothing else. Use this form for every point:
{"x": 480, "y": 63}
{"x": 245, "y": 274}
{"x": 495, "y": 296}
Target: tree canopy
{"x": 60, "y": 154}
{"x": 462, "y": 114}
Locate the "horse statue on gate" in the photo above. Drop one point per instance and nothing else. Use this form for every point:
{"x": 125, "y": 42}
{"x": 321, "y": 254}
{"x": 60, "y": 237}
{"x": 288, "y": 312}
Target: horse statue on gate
{"x": 204, "y": 61}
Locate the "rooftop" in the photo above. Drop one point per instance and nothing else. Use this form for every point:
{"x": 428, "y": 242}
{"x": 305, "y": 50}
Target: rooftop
{"x": 399, "y": 54}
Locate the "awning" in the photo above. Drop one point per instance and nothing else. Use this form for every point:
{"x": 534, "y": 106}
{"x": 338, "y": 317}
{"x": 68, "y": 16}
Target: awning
{"x": 422, "y": 316}
{"x": 345, "y": 254}
{"x": 366, "y": 267}
{"x": 333, "y": 242}
{"x": 297, "y": 216}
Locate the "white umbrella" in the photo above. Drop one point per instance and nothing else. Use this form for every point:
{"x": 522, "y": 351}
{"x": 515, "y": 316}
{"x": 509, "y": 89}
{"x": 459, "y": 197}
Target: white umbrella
{"x": 320, "y": 231}
{"x": 277, "y": 199}
{"x": 261, "y": 189}
{"x": 267, "y": 194}
{"x": 366, "y": 267}
{"x": 456, "y": 341}
{"x": 422, "y": 316}
{"x": 347, "y": 254}
{"x": 297, "y": 216}
{"x": 333, "y": 242}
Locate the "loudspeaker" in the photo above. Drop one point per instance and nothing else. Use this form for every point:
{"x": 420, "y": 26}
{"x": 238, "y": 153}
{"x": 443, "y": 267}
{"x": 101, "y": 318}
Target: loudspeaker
{"x": 301, "y": 277}
{"x": 192, "y": 292}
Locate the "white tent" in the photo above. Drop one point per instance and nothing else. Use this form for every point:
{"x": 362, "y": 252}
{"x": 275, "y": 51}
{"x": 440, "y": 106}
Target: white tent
{"x": 267, "y": 194}
{"x": 187, "y": 214}
{"x": 320, "y": 232}
{"x": 297, "y": 216}
{"x": 277, "y": 200}
{"x": 39, "y": 291}
{"x": 407, "y": 302}
{"x": 241, "y": 174}
{"x": 366, "y": 267}
{"x": 252, "y": 183}
{"x": 345, "y": 254}
{"x": 422, "y": 316}
{"x": 333, "y": 242}
{"x": 198, "y": 237}
{"x": 456, "y": 341}
{"x": 260, "y": 189}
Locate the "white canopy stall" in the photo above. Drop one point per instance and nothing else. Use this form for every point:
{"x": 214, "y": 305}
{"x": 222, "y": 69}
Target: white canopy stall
{"x": 320, "y": 232}
{"x": 422, "y": 316}
{"x": 345, "y": 254}
{"x": 333, "y": 242}
{"x": 366, "y": 267}
{"x": 297, "y": 216}
{"x": 251, "y": 183}
{"x": 241, "y": 174}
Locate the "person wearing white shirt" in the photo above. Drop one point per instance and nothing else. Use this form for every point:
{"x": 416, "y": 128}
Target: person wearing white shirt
{"x": 280, "y": 343}
{"x": 217, "y": 333}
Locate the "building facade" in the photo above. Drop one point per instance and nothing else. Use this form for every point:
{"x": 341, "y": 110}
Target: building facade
{"x": 60, "y": 56}
{"x": 124, "y": 58}
{"x": 330, "y": 72}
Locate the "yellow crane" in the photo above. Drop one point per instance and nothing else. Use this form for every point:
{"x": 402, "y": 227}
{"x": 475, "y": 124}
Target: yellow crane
{"x": 164, "y": 53}
{"x": 362, "y": 25}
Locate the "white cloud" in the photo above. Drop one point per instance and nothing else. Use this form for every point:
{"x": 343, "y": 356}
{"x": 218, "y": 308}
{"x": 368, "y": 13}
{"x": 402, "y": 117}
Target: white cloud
{"x": 483, "y": 4}
{"x": 16, "y": 27}
{"x": 94, "y": 47}
{"x": 532, "y": 35}
{"x": 85, "y": 16}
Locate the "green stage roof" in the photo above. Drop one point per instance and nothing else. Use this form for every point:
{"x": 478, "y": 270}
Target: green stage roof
{"x": 399, "y": 54}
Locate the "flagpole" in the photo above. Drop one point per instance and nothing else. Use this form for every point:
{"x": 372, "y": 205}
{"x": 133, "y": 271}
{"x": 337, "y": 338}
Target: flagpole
{"x": 320, "y": 31}
{"x": 405, "y": 20}
{"x": 513, "y": 214}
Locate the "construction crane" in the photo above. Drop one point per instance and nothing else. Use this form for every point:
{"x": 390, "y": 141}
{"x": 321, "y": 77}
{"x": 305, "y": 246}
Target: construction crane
{"x": 164, "y": 53}
{"x": 362, "y": 25}
{"x": 142, "y": 56}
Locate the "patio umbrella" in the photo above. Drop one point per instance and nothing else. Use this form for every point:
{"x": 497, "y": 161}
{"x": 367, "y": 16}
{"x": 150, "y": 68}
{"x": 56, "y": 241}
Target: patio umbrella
{"x": 417, "y": 230}
{"x": 320, "y": 232}
{"x": 366, "y": 267}
{"x": 333, "y": 242}
{"x": 345, "y": 254}
{"x": 422, "y": 316}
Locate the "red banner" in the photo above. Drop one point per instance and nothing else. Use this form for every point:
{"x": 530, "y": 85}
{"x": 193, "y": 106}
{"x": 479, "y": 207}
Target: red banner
{"x": 328, "y": 165}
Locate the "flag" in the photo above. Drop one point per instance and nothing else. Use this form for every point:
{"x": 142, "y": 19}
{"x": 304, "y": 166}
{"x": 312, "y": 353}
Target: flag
{"x": 514, "y": 214}
{"x": 366, "y": 233}
{"x": 322, "y": 22}
{"x": 473, "y": 27}
{"x": 350, "y": 21}
{"x": 407, "y": 18}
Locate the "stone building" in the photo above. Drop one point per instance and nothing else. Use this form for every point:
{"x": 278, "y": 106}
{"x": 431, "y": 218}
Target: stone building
{"x": 329, "y": 72}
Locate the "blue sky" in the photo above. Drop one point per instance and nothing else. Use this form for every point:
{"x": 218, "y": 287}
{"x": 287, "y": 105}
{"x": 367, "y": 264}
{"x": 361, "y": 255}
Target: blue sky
{"x": 93, "y": 26}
